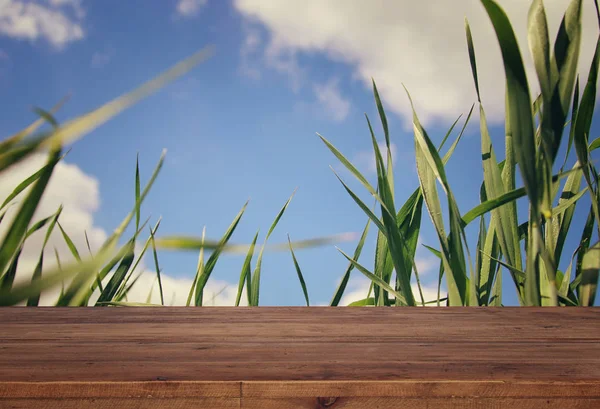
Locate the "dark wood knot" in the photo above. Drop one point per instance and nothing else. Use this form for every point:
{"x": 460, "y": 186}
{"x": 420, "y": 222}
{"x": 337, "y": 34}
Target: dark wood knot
{"x": 325, "y": 402}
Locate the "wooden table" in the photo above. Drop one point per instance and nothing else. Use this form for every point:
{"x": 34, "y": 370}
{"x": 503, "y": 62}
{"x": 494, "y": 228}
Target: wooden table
{"x": 298, "y": 357}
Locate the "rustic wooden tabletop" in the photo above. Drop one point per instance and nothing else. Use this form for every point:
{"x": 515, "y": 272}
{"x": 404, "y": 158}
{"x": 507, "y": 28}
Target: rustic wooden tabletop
{"x": 298, "y": 357}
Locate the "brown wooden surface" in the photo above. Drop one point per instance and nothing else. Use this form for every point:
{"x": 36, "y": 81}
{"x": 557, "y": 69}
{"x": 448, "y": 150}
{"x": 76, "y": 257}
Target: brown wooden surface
{"x": 286, "y": 357}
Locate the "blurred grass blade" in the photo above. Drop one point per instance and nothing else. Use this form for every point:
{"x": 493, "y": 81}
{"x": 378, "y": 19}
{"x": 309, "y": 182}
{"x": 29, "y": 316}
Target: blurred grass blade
{"x": 82, "y": 273}
{"x": 74, "y": 129}
{"x": 18, "y": 228}
{"x": 590, "y": 268}
{"x": 70, "y": 243}
{"x": 299, "y": 272}
{"x": 11, "y": 141}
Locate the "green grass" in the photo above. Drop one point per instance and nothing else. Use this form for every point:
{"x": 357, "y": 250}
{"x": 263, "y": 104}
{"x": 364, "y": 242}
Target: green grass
{"x": 527, "y": 247}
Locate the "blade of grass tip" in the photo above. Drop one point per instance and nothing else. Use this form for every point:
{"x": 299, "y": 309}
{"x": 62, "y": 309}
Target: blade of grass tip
{"x": 445, "y": 139}
{"x": 16, "y": 138}
{"x": 87, "y": 242}
{"x": 299, "y": 272}
{"x": 574, "y": 109}
{"x": 357, "y": 252}
{"x": 245, "y": 275}
{"x": 70, "y": 243}
{"x": 214, "y": 257}
{"x": 590, "y": 268}
{"x": 452, "y": 148}
{"x": 494, "y": 186}
{"x": 539, "y": 45}
{"x": 373, "y": 277}
{"x": 351, "y": 168}
{"x": 472, "y": 60}
{"x": 149, "y": 297}
{"x": 74, "y": 129}
{"x": 25, "y": 214}
{"x": 116, "y": 235}
{"x": 155, "y": 254}
{"x": 384, "y": 124}
{"x": 199, "y": 270}
{"x": 258, "y": 267}
{"x": 519, "y": 100}
{"x": 566, "y": 56}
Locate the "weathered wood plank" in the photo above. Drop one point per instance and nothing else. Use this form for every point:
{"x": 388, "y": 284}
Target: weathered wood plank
{"x": 290, "y": 357}
{"x": 423, "y": 403}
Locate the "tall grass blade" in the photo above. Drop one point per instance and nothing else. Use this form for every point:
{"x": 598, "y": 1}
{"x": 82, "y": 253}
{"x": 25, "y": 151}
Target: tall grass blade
{"x": 255, "y": 282}
{"x": 299, "y": 272}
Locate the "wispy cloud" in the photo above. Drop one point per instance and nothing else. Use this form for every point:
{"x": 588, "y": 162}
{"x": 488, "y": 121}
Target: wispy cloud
{"x": 59, "y": 22}
{"x": 249, "y": 66}
{"x": 365, "y": 160}
{"x": 408, "y": 42}
{"x": 358, "y": 288}
{"x": 330, "y": 98}
{"x": 102, "y": 58}
{"x": 190, "y": 8}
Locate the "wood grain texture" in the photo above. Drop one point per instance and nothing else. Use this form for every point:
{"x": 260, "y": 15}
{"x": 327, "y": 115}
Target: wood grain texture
{"x": 297, "y": 357}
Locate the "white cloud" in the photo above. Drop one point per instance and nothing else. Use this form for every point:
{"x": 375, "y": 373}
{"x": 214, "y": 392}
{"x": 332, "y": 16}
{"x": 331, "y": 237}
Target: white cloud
{"x": 56, "y": 21}
{"x": 176, "y": 290}
{"x": 358, "y": 288}
{"x": 78, "y": 192}
{"x": 329, "y": 97}
{"x": 190, "y": 8}
{"x": 250, "y": 47}
{"x": 410, "y": 42}
{"x": 101, "y": 58}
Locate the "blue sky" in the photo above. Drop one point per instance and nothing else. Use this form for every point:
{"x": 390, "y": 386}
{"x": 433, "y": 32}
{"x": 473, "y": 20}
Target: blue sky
{"x": 243, "y": 124}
